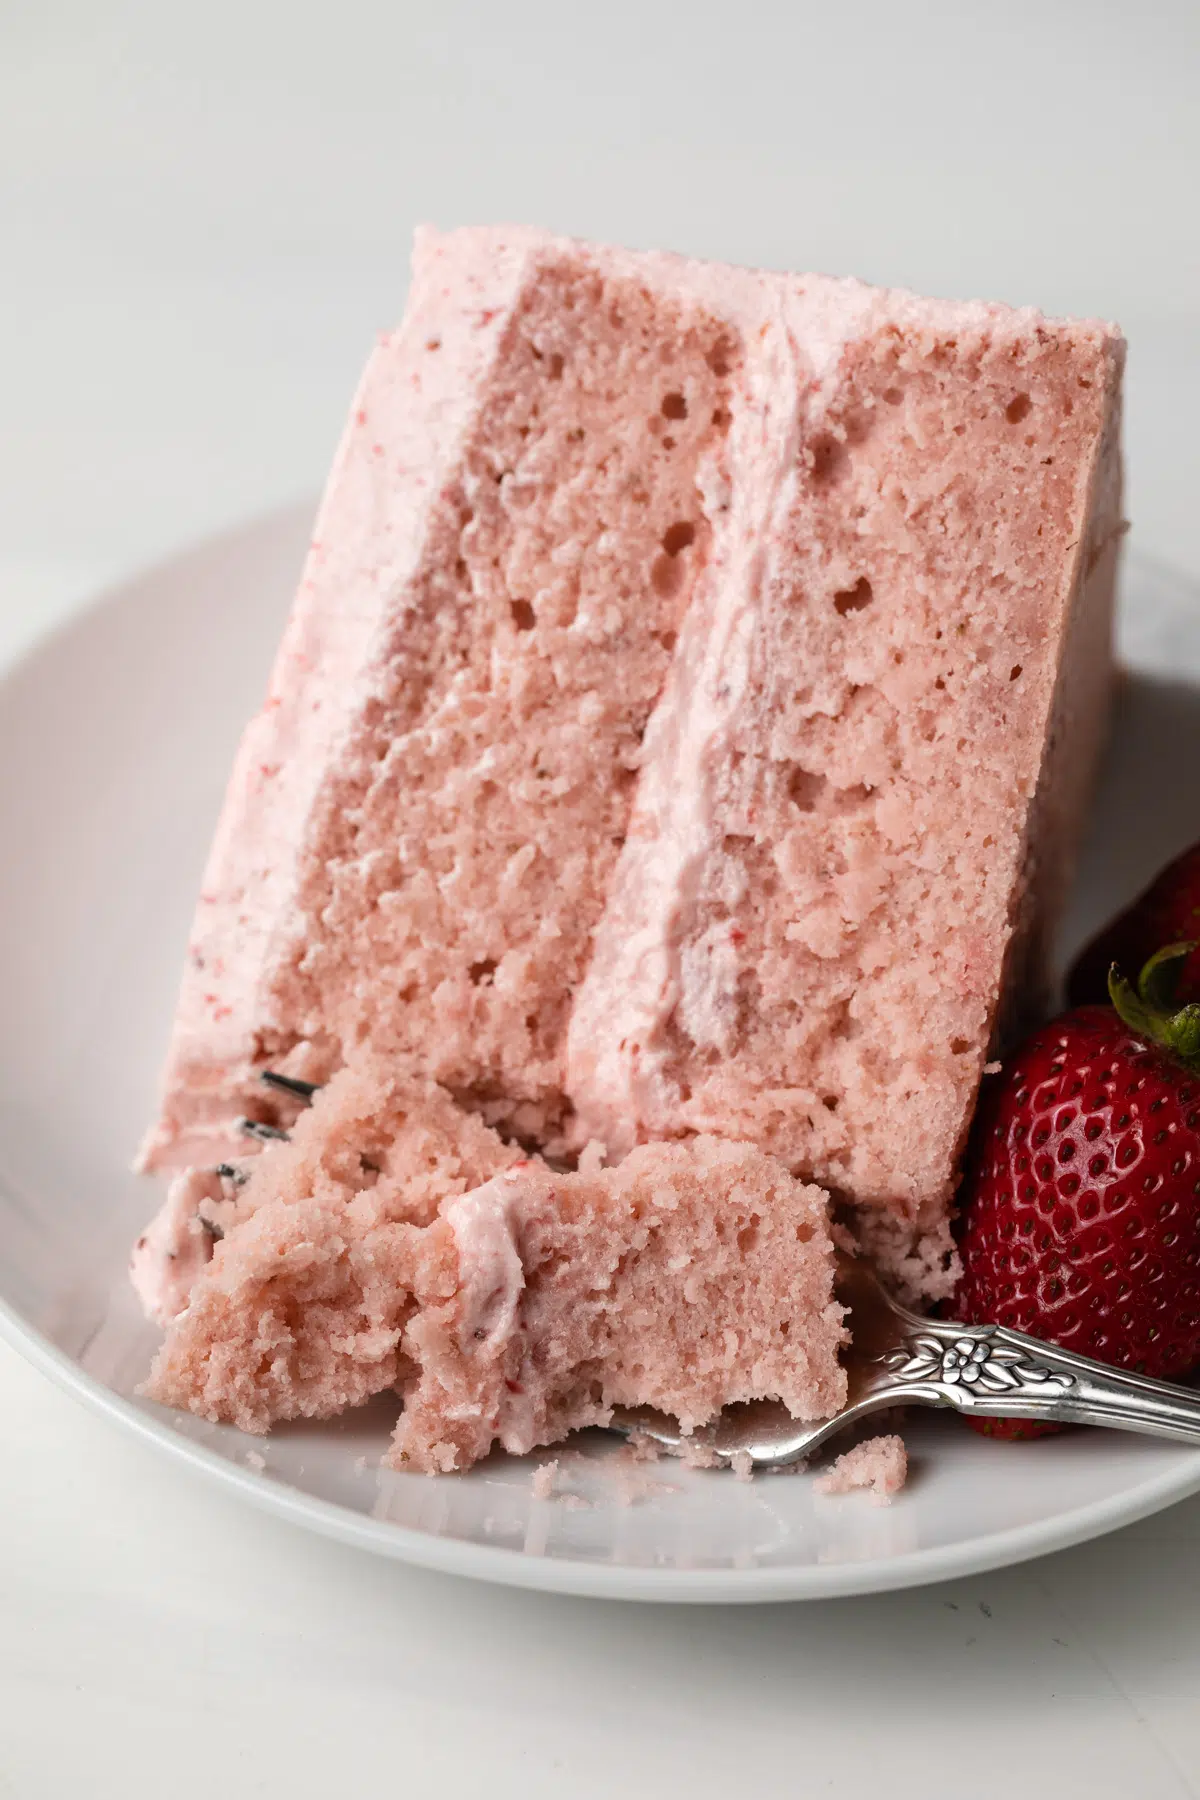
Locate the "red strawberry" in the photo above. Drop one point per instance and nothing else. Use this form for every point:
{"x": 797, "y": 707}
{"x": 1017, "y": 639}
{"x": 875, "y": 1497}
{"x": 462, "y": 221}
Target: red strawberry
{"x": 1081, "y": 1197}
{"x": 1167, "y": 913}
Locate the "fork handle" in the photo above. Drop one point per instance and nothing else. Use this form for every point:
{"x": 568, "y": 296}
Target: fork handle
{"x": 988, "y": 1371}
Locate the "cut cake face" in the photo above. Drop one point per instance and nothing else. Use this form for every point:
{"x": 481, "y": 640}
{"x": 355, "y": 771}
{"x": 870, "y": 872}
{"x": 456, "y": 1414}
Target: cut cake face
{"x": 862, "y": 787}
{"x": 685, "y": 720}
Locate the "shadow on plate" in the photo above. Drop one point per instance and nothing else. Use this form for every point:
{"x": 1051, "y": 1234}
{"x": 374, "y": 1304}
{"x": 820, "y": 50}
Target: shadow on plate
{"x": 1147, "y": 807}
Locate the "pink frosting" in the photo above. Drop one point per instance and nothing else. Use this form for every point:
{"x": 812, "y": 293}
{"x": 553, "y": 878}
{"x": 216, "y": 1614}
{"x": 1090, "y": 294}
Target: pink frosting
{"x": 491, "y": 1274}
{"x": 176, "y": 1247}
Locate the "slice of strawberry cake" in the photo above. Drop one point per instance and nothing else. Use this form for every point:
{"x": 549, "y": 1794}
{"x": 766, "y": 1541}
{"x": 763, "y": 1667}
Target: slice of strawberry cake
{"x": 506, "y": 1303}
{"x": 685, "y": 720}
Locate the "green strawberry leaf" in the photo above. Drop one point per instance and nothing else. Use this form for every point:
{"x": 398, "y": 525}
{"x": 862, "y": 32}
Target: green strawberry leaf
{"x": 1150, "y": 1010}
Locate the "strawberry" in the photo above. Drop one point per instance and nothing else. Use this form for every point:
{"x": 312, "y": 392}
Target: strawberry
{"x": 1080, "y": 1214}
{"x": 1167, "y": 913}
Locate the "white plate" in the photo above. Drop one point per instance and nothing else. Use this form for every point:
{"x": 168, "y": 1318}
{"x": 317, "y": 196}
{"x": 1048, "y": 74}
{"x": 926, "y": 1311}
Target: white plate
{"x": 115, "y": 740}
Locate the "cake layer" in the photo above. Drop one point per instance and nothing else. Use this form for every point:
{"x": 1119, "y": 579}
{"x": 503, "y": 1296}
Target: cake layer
{"x": 685, "y": 721}
{"x": 422, "y": 823}
{"x": 863, "y": 788}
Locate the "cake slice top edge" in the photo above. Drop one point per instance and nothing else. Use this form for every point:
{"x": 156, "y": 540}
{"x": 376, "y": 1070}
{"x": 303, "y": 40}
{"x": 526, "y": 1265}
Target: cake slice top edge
{"x": 726, "y": 285}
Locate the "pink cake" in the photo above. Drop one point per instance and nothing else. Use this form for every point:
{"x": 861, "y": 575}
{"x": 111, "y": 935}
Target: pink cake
{"x": 880, "y": 1465}
{"x": 692, "y": 1276}
{"x": 684, "y": 723}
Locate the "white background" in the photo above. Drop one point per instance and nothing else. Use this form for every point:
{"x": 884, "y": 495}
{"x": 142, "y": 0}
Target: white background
{"x": 204, "y": 214}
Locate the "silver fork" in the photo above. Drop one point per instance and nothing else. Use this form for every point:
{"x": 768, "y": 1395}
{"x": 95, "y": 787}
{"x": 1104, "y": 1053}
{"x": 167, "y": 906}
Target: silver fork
{"x": 897, "y": 1358}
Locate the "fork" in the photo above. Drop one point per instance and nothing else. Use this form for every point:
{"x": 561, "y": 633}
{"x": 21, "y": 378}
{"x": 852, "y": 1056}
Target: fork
{"x": 898, "y": 1358}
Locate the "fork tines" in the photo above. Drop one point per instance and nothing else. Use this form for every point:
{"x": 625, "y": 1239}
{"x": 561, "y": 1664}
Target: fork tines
{"x": 290, "y": 1084}
{"x": 284, "y": 1084}
{"x": 266, "y": 1134}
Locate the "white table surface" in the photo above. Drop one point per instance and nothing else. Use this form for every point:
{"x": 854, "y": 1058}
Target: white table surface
{"x": 204, "y": 213}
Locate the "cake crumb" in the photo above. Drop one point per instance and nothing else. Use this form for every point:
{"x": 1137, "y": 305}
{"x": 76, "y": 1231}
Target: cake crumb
{"x": 992, "y": 1068}
{"x": 256, "y": 1460}
{"x": 843, "y": 1238}
{"x": 639, "y": 1448}
{"x": 627, "y": 1468}
{"x": 742, "y": 1465}
{"x": 591, "y": 1157}
{"x": 544, "y": 1487}
{"x": 699, "y": 1455}
{"x": 543, "y": 1480}
{"x": 641, "y": 1487}
{"x": 881, "y": 1464}
{"x": 360, "y": 1463}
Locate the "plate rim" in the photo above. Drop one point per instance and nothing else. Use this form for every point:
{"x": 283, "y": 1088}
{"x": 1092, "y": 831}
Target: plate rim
{"x": 573, "y": 1577}
{"x": 510, "y": 1566}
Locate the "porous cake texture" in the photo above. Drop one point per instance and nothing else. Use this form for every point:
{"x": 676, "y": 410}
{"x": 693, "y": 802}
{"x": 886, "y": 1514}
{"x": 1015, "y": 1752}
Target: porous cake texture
{"x": 691, "y": 1277}
{"x": 862, "y": 787}
{"x": 685, "y": 719}
{"x": 526, "y": 1306}
{"x": 296, "y": 1306}
{"x": 879, "y": 1465}
{"x": 382, "y": 1124}
{"x": 423, "y": 822}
